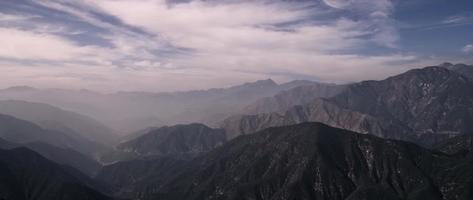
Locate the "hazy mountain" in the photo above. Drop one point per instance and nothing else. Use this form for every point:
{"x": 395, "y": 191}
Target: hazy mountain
{"x": 64, "y": 156}
{"x": 296, "y": 96}
{"x": 177, "y": 141}
{"x": 422, "y": 105}
{"x": 24, "y": 132}
{"x": 319, "y": 110}
{"x": 131, "y": 111}
{"x": 25, "y": 175}
{"x": 59, "y": 155}
{"x": 53, "y": 118}
{"x": 109, "y": 109}
{"x": 305, "y": 161}
{"x": 7, "y": 145}
{"x": 135, "y": 134}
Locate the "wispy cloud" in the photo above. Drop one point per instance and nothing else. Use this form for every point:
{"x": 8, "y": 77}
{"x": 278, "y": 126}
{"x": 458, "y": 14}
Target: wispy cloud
{"x": 468, "y": 48}
{"x": 8, "y": 17}
{"x": 157, "y": 45}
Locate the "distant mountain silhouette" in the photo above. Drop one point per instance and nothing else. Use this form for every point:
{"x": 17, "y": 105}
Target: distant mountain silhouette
{"x": 50, "y": 117}
{"x": 128, "y": 112}
{"x": 23, "y": 132}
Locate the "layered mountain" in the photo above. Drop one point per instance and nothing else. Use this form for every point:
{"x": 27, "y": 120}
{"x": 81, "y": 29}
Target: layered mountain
{"x": 23, "y": 132}
{"x": 422, "y": 105}
{"x": 131, "y": 111}
{"x": 63, "y": 156}
{"x": 7, "y": 145}
{"x": 176, "y": 141}
{"x": 304, "y": 161}
{"x": 25, "y": 175}
{"x": 59, "y": 155}
{"x": 53, "y": 118}
{"x": 320, "y": 110}
{"x": 297, "y": 96}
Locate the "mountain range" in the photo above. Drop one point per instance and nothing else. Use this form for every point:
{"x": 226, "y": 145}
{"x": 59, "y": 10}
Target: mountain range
{"x": 421, "y": 105}
{"x": 408, "y": 136}
{"x": 304, "y": 161}
{"x": 131, "y": 111}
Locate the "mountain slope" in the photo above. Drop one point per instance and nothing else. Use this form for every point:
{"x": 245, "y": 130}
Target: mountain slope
{"x": 314, "y": 161}
{"x": 25, "y": 175}
{"x": 132, "y": 175}
{"x": 462, "y": 145}
{"x": 422, "y": 105}
{"x": 23, "y": 132}
{"x": 53, "y": 118}
{"x": 428, "y": 100}
{"x": 179, "y": 139}
{"x": 319, "y": 110}
{"x": 59, "y": 155}
{"x": 465, "y": 70}
{"x": 69, "y": 157}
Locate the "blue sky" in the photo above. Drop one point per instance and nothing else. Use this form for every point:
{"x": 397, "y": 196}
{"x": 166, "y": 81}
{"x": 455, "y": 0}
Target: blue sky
{"x": 159, "y": 45}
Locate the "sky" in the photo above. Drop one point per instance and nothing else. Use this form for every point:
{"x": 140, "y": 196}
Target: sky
{"x": 167, "y": 45}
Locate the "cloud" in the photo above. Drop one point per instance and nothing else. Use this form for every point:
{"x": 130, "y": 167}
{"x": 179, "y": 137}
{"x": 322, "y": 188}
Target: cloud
{"x": 26, "y": 45}
{"x": 200, "y": 44}
{"x": 8, "y": 17}
{"x": 468, "y": 48}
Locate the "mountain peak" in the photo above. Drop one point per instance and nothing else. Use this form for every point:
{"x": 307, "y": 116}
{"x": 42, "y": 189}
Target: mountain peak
{"x": 432, "y": 71}
{"x": 264, "y": 82}
{"x": 446, "y": 64}
{"x": 258, "y": 83}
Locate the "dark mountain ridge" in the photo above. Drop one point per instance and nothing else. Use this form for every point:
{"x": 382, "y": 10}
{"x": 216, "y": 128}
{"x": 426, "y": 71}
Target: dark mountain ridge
{"x": 25, "y": 175}
{"x": 59, "y": 155}
{"x": 307, "y": 161}
{"x": 465, "y": 70}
